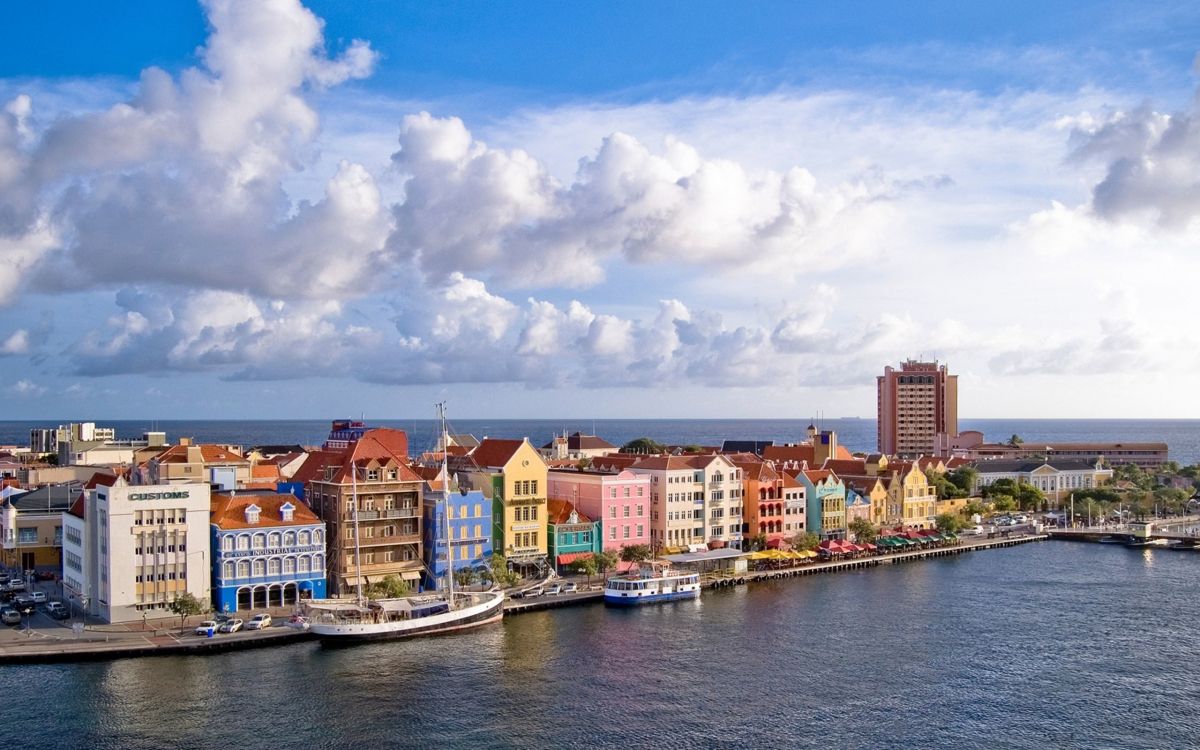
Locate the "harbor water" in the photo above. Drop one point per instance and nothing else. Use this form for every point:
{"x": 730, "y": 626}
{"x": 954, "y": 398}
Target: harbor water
{"x": 1054, "y": 644}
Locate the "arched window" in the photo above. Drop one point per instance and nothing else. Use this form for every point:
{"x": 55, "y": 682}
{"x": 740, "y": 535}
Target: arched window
{"x": 243, "y": 541}
{"x": 289, "y": 539}
{"x": 226, "y": 542}
{"x": 305, "y": 564}
{"x": 227, "y": 568}
{"x": 318, "y": 562}
{"x": 260, "y": 567}
{"x": 273, "y": 540}
{"x": 318, "y": 537}
{"x": 260, "y": 541}
{"x": 273, "y": 566}
{"x": 289, "y": 565}
{"x": 305, "y": 538}
{"x": 243, "y": 569}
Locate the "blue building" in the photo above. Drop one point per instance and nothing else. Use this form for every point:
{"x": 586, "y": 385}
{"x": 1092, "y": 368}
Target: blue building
{"x": 470, "y": 532}
{"x": 268, "y": 550}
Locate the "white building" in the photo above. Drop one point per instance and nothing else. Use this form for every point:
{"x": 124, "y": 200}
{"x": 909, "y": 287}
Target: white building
{"x": 1056, "y": 478}
{"x": 129, "y": 550}
{"x": 694, "y": 500}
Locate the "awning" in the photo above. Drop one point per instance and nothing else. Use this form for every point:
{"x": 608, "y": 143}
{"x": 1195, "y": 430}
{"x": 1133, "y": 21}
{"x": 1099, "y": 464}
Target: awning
{"x": 569, "y": 557}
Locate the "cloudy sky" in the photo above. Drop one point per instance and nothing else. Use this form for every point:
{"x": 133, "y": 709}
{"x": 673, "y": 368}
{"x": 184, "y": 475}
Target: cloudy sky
{"x": 670, "y": 209}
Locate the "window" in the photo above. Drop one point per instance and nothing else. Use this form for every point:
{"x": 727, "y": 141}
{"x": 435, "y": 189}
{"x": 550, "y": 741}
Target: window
{"x": 287, "y": 511}
{"x": 273, "y": 540}
{"x": 305, "y": 564}
{"x": 305, "y": 538}
{"x": 289, "y": 565}
{"x": 273, "y": 566}
{"x": 289, "y": 539}
{"x": 478, "y": 510}
{"x": 613, "y": 493}
{"x": 612, "y": 510}
{"x": 625, "y": 511}
{"x": 450, "y": 512}
{"x": 641, "y": 510}
{"x": 252, "y": 513}
{"x": 243, "y": 569}
{"x": 625, "y": 532}
{"x": 641, "y": 491}
{"x": 260, "y": 567}
{"x": 641, "y": 531}
{"x": 227, "y": 569}
{"x": 27, "y": 536}
{"x": 533, "y": 490}
{"x": 612, "y": 532}
{"x": 226, "y": 543}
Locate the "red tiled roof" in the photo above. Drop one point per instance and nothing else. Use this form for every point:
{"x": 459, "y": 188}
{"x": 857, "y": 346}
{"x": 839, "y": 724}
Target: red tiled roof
{"x": 99, "y": 479}
{"x": 178, "y": 454}
{"x": 560, "y": 511}
{"x": 852, "y": 466}
{"x": 229, "y": 510}
{"x": 78, "y": 507}
{"x": 493, "y": 453}
{"x": 789, "y": 453}
{"x": 314, "y": 465}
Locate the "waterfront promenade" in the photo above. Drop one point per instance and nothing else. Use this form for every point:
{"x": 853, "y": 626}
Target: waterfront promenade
{"x": 54, "y": 642}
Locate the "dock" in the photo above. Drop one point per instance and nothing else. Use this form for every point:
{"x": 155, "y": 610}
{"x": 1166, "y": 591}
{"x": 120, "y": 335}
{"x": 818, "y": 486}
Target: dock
{"x": 92, "y": 647}
{"x": 717, "y": 581}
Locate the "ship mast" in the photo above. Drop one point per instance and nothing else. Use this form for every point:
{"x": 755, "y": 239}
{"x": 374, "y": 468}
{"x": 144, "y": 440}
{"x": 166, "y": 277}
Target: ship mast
{"x": 357, "y": 549}
{"x": 441, "y": 409}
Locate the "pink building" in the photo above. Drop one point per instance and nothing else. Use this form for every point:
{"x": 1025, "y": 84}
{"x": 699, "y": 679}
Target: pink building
{"x": 621, "y": 502}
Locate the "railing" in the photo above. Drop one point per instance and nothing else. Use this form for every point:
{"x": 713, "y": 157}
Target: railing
{"x": 375, "y": 515}
{"x": 375, "y": 541}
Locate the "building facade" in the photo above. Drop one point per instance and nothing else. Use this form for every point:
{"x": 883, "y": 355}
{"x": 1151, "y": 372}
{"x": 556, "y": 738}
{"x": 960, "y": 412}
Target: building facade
{"x": 619, "y": 502}
{"x": 470, "y": 519}
{"x": 370, "y": 482}
{"x": 132, "y": 549}
{"x": 695, "y": 500}
{"x": 1056, "y": 478}
{"x": 31, "y": 526}
{"x": 513, "y": 475}
{"x": 912, "y": 500}
{"x": 915, "y": 404}
{"x": 268, "y": 551}
{"x": 826, "y": 503}
{"x": 189, "y": 462}
{"x": 572, "y": 534}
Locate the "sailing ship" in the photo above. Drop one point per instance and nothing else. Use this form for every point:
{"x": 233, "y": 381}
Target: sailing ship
{"x": 351, "y": 621}
{"x": 652, "y": 582}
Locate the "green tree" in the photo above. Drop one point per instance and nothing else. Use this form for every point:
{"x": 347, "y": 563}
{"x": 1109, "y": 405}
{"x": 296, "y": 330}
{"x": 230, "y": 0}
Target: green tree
{"x": 643, "y": 445}
{"x": 1003, "y": 503}
{"x": 863, "y": 530}
{"x": 635, "y": 553}
{"x": 585, "y": 566}
{"x": 465, "y": 576}
{"x": 758, "y": 542}
{"x": 1015, "y": 441}
{"x": 964, "y": 478}
{"x": 498, "y": 572}
{"x": 1029, "y": 497}
{"x": 804, "y": 540}
{"x": 391, "y": 587}
{"x": 186, "y": 605}
{"x": 973, "y": 508}
{"x": 947, "y": 523}
{"x": 606, "y": 561}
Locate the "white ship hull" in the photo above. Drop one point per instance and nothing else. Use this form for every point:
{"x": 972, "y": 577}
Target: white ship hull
{"x": 333, "y": 629}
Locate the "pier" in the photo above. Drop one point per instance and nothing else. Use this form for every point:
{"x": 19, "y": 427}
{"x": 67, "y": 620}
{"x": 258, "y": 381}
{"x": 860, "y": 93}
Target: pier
{"x": 99, "y": 646}
{"x": 1183, "y": 530}
{"x": 726, "y": 579}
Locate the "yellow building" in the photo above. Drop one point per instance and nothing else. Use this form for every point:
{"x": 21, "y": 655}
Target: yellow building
{"x": 872, "y": 488}
{"x": 912, "y": 501}
{"x": 514, "y": 476}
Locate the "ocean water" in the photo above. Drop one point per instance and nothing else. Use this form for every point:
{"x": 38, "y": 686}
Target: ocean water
{"x": 1183, "y": 436}
{"x": 1046, "y": 645}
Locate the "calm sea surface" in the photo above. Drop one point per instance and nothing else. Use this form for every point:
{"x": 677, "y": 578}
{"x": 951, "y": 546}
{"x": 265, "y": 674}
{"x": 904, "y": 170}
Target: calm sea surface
{"x": 1043, "y": 645}
{"x": 1183, "y": 436}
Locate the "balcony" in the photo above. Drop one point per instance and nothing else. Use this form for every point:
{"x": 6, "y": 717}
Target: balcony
{"x": 377, "y": 515}
{"x": 376, "y": 541}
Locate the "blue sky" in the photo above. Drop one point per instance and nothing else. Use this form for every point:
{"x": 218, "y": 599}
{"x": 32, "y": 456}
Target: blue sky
{"x": 671, "y": 209}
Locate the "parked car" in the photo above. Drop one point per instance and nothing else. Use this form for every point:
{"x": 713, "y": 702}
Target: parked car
{"x": 535, "y": 591}
{"x": 39, "y": 597}
{"x": 57, "y": 610}
{"x": 554, "y": 590}
{"x": 15, "y": 584}
{"x": 259, "y": 622}
{"x": 45, "y": 575}
{"x": 207, "y": 628}
{"x": 24, "y": 603}
{"x": 570, "y": 588}
{"x": 230, "y": 626}
{"x": 10, "y": 616}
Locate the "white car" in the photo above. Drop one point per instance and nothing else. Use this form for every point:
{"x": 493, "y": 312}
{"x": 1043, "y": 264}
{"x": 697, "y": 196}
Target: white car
{"x": 208, "y": 628}
{"x": 258, "y": 622}
{"x": 39, "y": 597}
{"x": 230, "y": 626}
{"x": 570, "y": 588}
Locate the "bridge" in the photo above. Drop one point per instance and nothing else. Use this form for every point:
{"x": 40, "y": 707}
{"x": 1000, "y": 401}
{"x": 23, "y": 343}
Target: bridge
{"x": 1184, "y": 529}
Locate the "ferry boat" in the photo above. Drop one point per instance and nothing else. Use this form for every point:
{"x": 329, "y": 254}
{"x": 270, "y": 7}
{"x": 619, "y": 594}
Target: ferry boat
{"x": 339, "y": 622}
{"x": 650, "y": 583}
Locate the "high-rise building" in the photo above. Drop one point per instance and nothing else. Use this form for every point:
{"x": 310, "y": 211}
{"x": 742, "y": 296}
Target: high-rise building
{"x": 916, "y": 403}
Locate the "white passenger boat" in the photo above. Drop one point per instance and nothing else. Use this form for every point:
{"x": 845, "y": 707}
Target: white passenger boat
{"x": 338, "y": 622}
{"x": 650, "y": 583}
